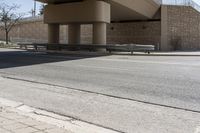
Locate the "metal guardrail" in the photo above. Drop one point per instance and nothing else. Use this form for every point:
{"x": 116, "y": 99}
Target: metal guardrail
{"x": 131, "y": 48}
{"x": 31, "y": 45}
{"x": 91, "y": 47}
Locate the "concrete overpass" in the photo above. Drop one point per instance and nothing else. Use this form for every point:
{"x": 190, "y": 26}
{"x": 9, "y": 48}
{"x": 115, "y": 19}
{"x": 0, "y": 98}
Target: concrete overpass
{"x": 97, "y": 12}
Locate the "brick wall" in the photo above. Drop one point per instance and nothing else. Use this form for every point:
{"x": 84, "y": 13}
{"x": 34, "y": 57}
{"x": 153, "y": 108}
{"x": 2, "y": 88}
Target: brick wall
{"x": 183, "y": 28}
{"x": 133, "y": 32}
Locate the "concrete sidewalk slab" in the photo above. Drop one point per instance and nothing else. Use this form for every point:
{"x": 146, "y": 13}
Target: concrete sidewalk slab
{"x": 13, "y": 122}
{"x": 26, "y": 119}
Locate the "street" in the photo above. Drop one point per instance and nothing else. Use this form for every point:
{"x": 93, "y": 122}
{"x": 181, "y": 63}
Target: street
{"x": 78, "y": 86}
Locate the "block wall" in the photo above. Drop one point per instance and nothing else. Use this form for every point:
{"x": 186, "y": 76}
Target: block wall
{"x": 182, "y": 29}
{"x": 120, "y": 33}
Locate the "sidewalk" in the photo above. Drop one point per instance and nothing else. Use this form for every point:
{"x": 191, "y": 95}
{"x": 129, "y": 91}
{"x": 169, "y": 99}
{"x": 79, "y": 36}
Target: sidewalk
{"x": 12, "y": 122}
{"x": 16, "y": 117}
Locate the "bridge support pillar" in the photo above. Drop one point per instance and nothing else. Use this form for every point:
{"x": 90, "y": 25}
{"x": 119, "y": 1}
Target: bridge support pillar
{"x": 74, "y": 33}
{"x": 99, "y": 33}
{"x": 53, "y": 33}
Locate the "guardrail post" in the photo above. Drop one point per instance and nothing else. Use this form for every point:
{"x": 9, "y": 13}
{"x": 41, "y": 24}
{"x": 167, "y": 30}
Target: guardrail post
{"x": 35, "y": 47}
{"x": 131, "y": 48}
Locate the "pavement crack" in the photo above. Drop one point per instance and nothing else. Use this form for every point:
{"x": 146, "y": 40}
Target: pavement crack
{"x": 19, "y": 105}
{"x": 42, "y": 114}
{"x": 73, "y": 119}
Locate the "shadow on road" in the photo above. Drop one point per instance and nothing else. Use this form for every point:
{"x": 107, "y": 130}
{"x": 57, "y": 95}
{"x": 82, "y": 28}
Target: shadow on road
{"x": 19, "y": 58}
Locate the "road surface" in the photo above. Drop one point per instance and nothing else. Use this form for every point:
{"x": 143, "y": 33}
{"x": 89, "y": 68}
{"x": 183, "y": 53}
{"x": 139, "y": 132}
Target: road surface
{"x": 163, "y": 81}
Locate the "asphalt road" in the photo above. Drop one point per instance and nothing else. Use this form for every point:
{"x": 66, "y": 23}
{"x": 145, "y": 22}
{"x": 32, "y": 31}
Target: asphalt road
{"x": 170, "y": 81}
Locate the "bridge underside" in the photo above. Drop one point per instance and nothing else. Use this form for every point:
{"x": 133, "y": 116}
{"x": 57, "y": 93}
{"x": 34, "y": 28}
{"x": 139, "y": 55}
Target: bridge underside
{"x": 97, "y": 12}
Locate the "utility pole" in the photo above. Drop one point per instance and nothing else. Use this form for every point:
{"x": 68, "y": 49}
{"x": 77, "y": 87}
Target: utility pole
{"x": 34, "y": 8}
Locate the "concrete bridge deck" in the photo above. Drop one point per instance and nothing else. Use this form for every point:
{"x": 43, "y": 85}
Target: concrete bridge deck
{"x": 124, "y": 9}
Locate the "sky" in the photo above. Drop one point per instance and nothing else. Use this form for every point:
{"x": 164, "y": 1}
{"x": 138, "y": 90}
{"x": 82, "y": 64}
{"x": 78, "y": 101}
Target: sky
{"x": 197, "y": 1}
{"x": 25, "y": 5}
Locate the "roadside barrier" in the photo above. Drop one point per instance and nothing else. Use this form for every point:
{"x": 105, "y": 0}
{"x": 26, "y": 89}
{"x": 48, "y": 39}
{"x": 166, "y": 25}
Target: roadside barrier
{"x": 90, "y": 47}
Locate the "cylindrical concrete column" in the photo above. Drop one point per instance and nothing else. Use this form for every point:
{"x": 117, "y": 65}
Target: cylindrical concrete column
{"x": 99, "y": 33}
{"x": 74, "y": 33}
{"x": 53, "y": 33}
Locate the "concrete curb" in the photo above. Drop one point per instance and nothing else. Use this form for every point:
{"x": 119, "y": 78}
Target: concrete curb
{"x": 122, "y": 53}
{"x": 70, "y": 124}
